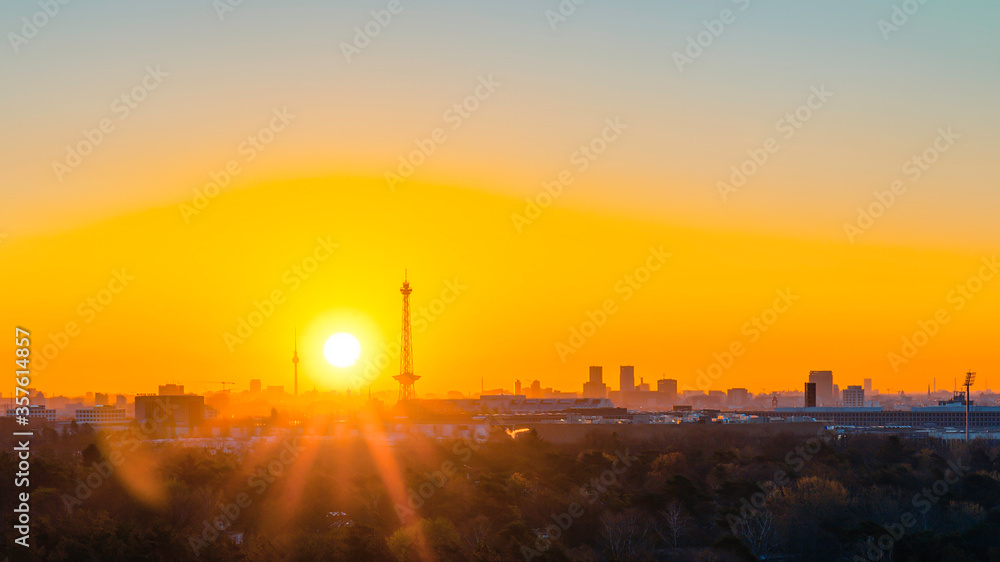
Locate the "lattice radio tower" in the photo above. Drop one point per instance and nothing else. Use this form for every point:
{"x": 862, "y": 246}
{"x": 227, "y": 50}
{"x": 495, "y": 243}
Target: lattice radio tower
{"x": 406, "y": 377}
{"x": 295, "y": 362}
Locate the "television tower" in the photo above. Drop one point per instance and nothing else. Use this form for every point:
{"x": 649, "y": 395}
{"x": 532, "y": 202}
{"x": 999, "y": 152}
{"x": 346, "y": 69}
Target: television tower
{"x": 295, "y": 362}
{"x": 406, "y": 377}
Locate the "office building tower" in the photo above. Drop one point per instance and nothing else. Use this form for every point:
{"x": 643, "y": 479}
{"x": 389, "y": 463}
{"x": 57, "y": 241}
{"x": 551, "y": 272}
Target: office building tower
{"x": 170, "y": 414}
{"x": 517, "y": 387}
{"x": 597, "y": 374}
{"x": 868, "y": 386}
{"x": 824, "y": 387}
{"x": 738, "y": 396}
{"x": 171, "y": 389}
{"x": 595, "y": 387}
{"x": 854, "y": 396}
{"x": 626, "y": 378}
{"x": 595, "y": 390}
{"x": 626, "y": 385}
{"x": 101, "y": 398}
{"x": 810, "y": 395}
{"x": 667, "y": 386}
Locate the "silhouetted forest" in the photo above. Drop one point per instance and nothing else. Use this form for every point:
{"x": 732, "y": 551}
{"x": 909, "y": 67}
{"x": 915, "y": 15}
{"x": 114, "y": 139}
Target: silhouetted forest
{"x": 700, "y": 493}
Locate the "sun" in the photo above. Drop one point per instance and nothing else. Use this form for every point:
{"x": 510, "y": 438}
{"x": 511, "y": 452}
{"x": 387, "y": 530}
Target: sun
{"x": 342, "y": 349}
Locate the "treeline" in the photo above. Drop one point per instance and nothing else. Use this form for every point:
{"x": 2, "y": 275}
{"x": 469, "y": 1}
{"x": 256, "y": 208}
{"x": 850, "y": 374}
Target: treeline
{"x": 699, "y": 493}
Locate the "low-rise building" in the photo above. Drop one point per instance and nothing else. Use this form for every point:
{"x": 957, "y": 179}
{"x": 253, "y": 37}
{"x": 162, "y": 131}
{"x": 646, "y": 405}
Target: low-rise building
{"x": 99, "y": 415}
{"x": 35, "y": 411}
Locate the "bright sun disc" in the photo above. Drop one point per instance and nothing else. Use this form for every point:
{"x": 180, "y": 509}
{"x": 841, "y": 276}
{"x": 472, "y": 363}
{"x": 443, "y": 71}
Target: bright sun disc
{"x": 342, "y": 349}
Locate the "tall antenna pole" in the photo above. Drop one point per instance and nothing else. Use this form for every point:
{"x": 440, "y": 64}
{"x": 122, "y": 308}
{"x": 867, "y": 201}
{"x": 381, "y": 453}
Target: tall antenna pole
{"x": 406, "y": 377}
{"x": 295, "y": 362}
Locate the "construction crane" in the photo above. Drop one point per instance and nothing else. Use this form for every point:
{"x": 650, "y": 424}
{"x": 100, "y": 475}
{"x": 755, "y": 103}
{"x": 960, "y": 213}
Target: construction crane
{"x": 223, "y": 383}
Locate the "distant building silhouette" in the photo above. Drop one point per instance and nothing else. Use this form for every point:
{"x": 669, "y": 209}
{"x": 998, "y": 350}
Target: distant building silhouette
{"x": 595, "y": 387}
{"x": 824, "y": 387}
{"x": 626, "y": 378}
{"x": 170, "y": 413}
{"x": 738, "y": 396}
{"x": 171, "y": 389}
{"x": 626, "y": 386}
{"x": 854, "y": 397}
{"x": 668, "y": 387}
{"x": 35, "y": 411}
{"x": 100, "y": 415}
{"x": 596, "y": 374}
{"x": 810, "y": 398}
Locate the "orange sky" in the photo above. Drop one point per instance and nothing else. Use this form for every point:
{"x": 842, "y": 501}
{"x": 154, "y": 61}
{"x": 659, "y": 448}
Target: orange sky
{"x": 114, "y": 260}
{"x": 514, "y": 297}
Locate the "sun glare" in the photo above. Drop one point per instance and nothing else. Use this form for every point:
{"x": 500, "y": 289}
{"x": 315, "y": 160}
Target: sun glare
{"x": 342, "y": 349}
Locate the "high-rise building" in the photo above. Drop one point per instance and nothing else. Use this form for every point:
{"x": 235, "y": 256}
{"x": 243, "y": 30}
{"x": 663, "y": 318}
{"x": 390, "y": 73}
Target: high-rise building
{"x": 255, "y": 386}
{"x": 595, "y": 390}
{"x": 170, "y": 414}
{"x": 171, "y": 389}
{"x": 595, "y": 387}
{"x": 738, "y": 396}
{"x": 854, "y": 396}
{"x": 824, "y": 387}
{"x": 626, "y": 382}
{"x": 535, "y": 390}
{"x": 626, "y": 378}
{"x": 101, "y": 398}
{"x": 668, "y": 386}
{"x": 810, "y": 401}
{"x": 517, "y": 387}
{"x": 868, "y": 386}
{"x": 666, "y": 393}
{"x": 120, "y": 400}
